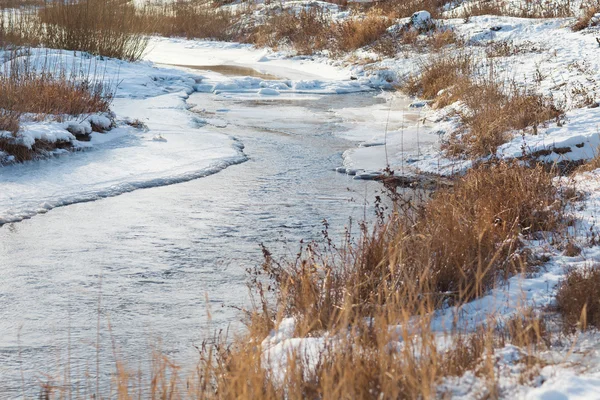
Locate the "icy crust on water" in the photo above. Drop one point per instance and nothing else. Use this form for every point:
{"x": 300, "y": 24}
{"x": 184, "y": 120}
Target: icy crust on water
{"x": 157, "y": 140}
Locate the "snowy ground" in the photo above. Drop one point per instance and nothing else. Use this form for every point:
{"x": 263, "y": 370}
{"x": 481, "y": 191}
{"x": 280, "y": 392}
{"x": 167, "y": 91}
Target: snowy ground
{"x": 173, "y": 144}
{"x": 550, "y": 59}
{"x": 176, "y": 144}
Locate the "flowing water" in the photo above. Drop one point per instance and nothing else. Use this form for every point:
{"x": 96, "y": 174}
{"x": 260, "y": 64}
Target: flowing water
{"x": 87, "y": 283}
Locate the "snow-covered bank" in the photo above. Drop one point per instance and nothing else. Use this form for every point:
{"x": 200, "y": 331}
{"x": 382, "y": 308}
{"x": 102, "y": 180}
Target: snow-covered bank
{"x": 166, "y": 144}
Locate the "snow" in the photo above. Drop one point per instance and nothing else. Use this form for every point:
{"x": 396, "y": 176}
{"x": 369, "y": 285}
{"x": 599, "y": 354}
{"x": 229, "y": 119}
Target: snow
{"x": 185, "y": 135}
{"x": 568, "y": 385}
{"x": 124, "y": 158}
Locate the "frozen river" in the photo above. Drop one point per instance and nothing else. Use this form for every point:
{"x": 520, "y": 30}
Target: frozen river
{"x": 145, "y": 268}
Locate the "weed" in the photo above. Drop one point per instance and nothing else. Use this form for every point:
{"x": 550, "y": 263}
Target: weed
{"x": 577, "y": 298}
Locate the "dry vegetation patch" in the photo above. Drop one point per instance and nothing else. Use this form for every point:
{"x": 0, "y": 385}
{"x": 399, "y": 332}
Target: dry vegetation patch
{"x": 307, "y": 31}
{"x": 528, "y": 9}
{"x": 189, "y": 18}
{"x": 100, "y": 27}
{"x": 585, "y": 20}
{"x": 578, "y": 298}
{"x": 491, "y": 108}
{"x": 453, "y": 248}
{"x": 376, "y": 300}
{"x": 26, "y": 92}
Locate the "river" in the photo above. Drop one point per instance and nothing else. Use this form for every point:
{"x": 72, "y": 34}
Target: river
{"x": 165, "y": 267}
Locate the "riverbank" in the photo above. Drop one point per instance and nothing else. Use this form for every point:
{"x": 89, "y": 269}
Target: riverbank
{"x": 473, "y": 293}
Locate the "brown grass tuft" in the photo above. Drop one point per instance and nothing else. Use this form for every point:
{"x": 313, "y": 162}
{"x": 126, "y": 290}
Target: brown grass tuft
{"x": 353, "y": 34}
{"x": 27, "y": 92}
{"x": 307, "y": 31}
{"x": 577, "y": 299}
{"x": 585, "y": 20}
{"x": 454, "y": 248}
{"x": 492, "y": 108}
{"x": 100, "y": 27}
{"x": 441, "y": 72}
{"x": 189, "y": 18}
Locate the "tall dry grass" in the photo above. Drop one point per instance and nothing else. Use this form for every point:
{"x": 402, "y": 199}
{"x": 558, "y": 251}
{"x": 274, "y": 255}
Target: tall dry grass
{"x": 34, "y": 92}
{"x": 493, "y": 107}
{"x": 577, "y": 298}
{"x": 306, "y": 32}
{"x": 101, "y": 27}
{"x": 527, "y": 9}
{"x": 109, "y": 28}
{"x": 368, "y": 308}
{"x": 190, "y": 19}
{"x": 311, "y": 30}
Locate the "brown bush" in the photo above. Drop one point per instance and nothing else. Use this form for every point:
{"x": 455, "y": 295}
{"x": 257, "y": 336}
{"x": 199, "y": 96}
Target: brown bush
{"x": 578, "y": 298}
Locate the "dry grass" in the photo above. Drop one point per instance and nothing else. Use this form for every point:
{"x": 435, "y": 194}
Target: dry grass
{"x": 528, "y": 9}
{"x": 440, "y": 73}
{"x": 396, "y": 276}
{"x": 591, "y": 164}
{"x": 109, "y": 28}
{"x": 19, "y": 28}
{"x": 406, "y": 8}
{"x": 577, "y": 299}
{"x": 46, "y": 94}
{"x": 454, "y": 248}
{"x": 451, "y": 249}
{"x": 353, "y": 34}
{"x": 494, "y": 111}
{"x": 494, "y": 108}
{"x": 311, "y": 30}
{"x": 307, "y": 31}
{"x": 585, "y": 19}
{"x": 189, "y": 18}
{"x": 4, "y": 4}
{"x": 100, "y": 27}
{"x": 43, "y": 94}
